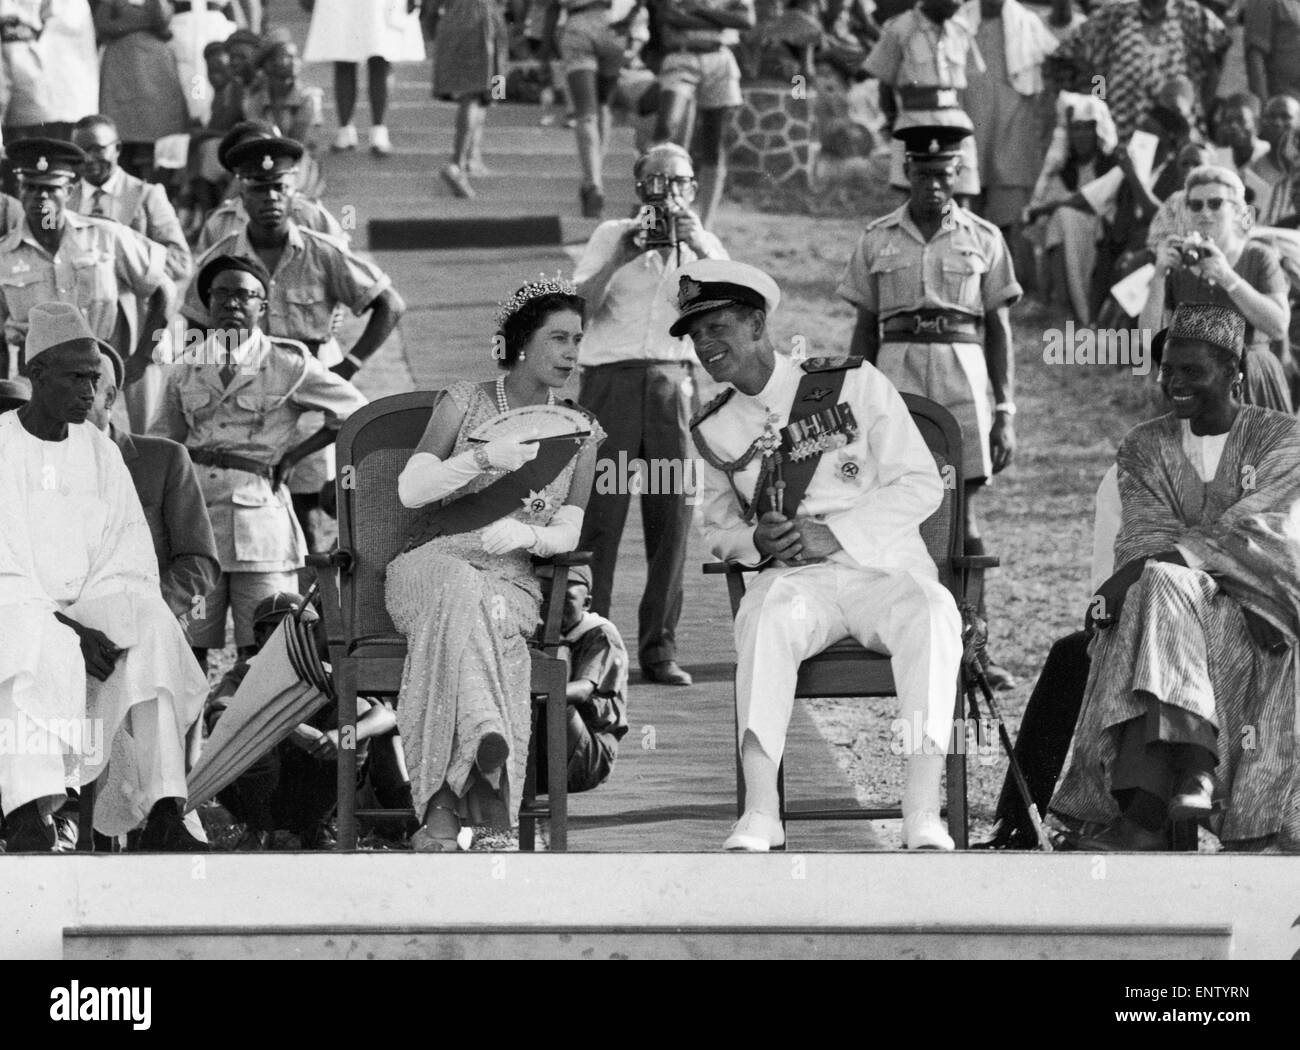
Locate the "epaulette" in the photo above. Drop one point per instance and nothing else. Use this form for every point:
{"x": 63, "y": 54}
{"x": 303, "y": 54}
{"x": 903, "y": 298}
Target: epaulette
{"x": 833, "y": 364}
{"x": 712, "y": 407}
{"x": 982, "y": 222}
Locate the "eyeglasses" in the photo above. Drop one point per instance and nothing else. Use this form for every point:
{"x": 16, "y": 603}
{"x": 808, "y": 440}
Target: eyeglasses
{"x": 242, "y": 296}
{"x": 1213, "y": 203}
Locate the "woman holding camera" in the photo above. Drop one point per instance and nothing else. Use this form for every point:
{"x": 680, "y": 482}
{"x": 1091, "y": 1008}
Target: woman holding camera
{"x": 1217, "y": 264}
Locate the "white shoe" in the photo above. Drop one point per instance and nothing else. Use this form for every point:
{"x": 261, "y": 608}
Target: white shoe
{"x": 755, "y": 833}
{"x": 924, "y": 830}
{"x": 379, "y": 144}
{"x": 346, "y": 138}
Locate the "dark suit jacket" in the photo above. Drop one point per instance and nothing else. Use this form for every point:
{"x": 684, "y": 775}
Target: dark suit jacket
{"x": 178, "y": 519}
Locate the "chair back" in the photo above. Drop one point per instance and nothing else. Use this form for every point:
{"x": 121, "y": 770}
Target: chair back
{"x": 373, "y": 446}
{"x": 943, "y": 531}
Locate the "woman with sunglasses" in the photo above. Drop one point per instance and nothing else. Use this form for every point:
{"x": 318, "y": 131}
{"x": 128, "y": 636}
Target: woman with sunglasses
{"x": 1217, "y": 264}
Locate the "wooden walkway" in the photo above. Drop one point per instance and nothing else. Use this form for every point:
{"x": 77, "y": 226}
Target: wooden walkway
{"x": 673, "y": 787}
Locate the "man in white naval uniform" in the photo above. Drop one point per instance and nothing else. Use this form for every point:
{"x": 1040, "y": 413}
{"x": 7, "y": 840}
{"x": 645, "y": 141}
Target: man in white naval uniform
{"x": 844, "y": 560}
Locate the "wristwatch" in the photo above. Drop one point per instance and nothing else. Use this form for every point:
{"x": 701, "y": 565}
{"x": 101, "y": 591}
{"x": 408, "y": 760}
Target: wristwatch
{"x": 1005, "y": 407}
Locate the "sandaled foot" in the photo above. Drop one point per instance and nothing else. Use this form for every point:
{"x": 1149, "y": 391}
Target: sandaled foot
{"x": 440, "y": 832}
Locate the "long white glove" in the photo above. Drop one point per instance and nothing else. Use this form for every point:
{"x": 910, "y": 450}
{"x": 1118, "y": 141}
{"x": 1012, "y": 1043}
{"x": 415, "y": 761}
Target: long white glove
{"x": 510, "y": 453}
{"x": 562, "y": 535}
{"x": 511, "y": 534}
{"x": 426, "y": 478}
{"x": 508, "y": 534}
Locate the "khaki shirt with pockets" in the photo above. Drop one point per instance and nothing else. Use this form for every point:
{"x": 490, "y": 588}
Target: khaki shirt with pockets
{"x": 256, "y": 417}
{"x": 315, "y": 274}
{"x": 97, "y": 260}
{"x": 915, "y": 52}
{"x": 965, "y": 267}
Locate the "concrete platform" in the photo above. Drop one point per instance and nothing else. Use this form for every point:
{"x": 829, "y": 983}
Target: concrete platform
{"x": 883, "y": 905}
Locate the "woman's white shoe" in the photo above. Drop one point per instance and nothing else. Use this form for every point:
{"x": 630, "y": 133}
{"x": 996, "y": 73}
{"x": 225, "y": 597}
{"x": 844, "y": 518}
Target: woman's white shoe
{"x": 346, "y": 138}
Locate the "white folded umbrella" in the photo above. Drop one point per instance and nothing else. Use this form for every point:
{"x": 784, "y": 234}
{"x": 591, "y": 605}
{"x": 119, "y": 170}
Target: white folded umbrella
{"x": 283, "y": 688}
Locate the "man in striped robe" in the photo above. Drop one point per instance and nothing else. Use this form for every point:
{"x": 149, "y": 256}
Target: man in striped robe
{"x": 1191, "y": 706}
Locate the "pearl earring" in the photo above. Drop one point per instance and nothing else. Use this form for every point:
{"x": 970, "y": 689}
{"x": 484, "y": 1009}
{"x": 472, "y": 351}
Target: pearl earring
{"x": 523, "y": 356}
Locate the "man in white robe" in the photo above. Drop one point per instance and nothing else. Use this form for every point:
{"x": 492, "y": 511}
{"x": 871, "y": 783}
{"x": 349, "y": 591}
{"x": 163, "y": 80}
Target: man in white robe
{"x": 97, "y": 681}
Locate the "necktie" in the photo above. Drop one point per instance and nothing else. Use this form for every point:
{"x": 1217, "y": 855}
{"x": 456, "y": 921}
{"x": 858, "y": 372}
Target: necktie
{"x": 97, "y": 204}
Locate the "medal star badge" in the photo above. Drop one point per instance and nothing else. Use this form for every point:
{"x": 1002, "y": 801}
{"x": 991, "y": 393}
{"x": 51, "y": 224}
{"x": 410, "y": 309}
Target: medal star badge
{"x": 816, "y": 394}
{"x": 688, "y": 290}
{"x": 849, "y": 470}
{"x": 268, "y": 162}
{"x": 42, "y": 164}
{"x": 538, "y": 503}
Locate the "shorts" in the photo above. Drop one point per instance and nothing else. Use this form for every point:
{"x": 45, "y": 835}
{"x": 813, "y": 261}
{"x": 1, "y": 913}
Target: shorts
{"x": 589, "y": 42}
{"x": 712, "y": 78}
{"x": 955, "y": 375}
{"x": 239, "y": 592}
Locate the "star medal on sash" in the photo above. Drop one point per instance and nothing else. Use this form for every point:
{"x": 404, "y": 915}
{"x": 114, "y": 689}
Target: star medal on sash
{"x": 849, "y": 469}
{"x": 539, "y": 503}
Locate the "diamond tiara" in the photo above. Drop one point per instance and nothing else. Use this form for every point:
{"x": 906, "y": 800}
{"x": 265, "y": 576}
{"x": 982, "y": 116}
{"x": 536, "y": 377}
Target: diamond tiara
{"x": 557, "y": 285}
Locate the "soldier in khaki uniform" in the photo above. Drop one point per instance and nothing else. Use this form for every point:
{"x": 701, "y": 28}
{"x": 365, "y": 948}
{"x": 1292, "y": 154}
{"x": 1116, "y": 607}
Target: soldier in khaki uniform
{"x": 920, "y": 61}
{"x": 311, "y": 275}
{"x": 54, "y": 254}
{"x": 236, "y": 403}
{"x": 933, "y": 284}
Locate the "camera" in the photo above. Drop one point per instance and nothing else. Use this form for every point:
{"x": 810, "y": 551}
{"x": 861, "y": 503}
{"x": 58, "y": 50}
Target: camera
{"x": 657, "y": 218}
{"x": 1192, "y": 250}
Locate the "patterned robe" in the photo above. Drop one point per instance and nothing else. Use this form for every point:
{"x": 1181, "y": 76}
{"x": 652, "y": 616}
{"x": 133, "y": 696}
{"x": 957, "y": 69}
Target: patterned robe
{"x": 1185, "y": 635}
{"x": 1122, "y": 56}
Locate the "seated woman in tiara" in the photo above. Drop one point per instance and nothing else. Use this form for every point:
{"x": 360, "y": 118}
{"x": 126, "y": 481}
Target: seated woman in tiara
{"x": 463, "y": 590}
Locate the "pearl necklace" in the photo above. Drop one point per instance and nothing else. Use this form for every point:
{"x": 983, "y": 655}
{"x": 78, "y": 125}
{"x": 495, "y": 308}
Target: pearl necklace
{"x": 503, "y": 406}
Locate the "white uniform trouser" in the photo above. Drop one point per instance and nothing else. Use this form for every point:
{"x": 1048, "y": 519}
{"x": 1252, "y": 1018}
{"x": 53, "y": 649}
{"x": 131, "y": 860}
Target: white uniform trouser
{"x": 788, "y": 615}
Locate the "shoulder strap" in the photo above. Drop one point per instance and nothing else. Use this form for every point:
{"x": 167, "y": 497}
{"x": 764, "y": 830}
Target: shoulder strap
{"x": 712, "y": 407}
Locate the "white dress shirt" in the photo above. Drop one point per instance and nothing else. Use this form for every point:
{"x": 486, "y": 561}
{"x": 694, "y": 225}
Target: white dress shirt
{"x": 631, "y": 315}
{"x": 873, "y": 494}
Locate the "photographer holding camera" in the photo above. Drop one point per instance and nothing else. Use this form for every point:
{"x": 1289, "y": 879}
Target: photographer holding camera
{"x": 1217, "y": 264}
{"x": 639, "y": 382}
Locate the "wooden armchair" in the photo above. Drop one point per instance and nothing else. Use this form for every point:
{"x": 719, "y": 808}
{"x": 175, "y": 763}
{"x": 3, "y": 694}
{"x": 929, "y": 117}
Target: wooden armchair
{"x": 366, "y": 651}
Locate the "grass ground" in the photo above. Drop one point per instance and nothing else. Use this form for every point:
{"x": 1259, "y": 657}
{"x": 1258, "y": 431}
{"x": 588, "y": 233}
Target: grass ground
{"x": 1038, "y": 515}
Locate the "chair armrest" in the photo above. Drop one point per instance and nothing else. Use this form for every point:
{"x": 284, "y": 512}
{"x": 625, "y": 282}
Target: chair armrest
{"x": 549, "y": 636}
{"x": 976, "y": 561}
{"x": 572, "y": 558}
{"x": 718, "y": 568}
{"x": 335, "y": 559}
